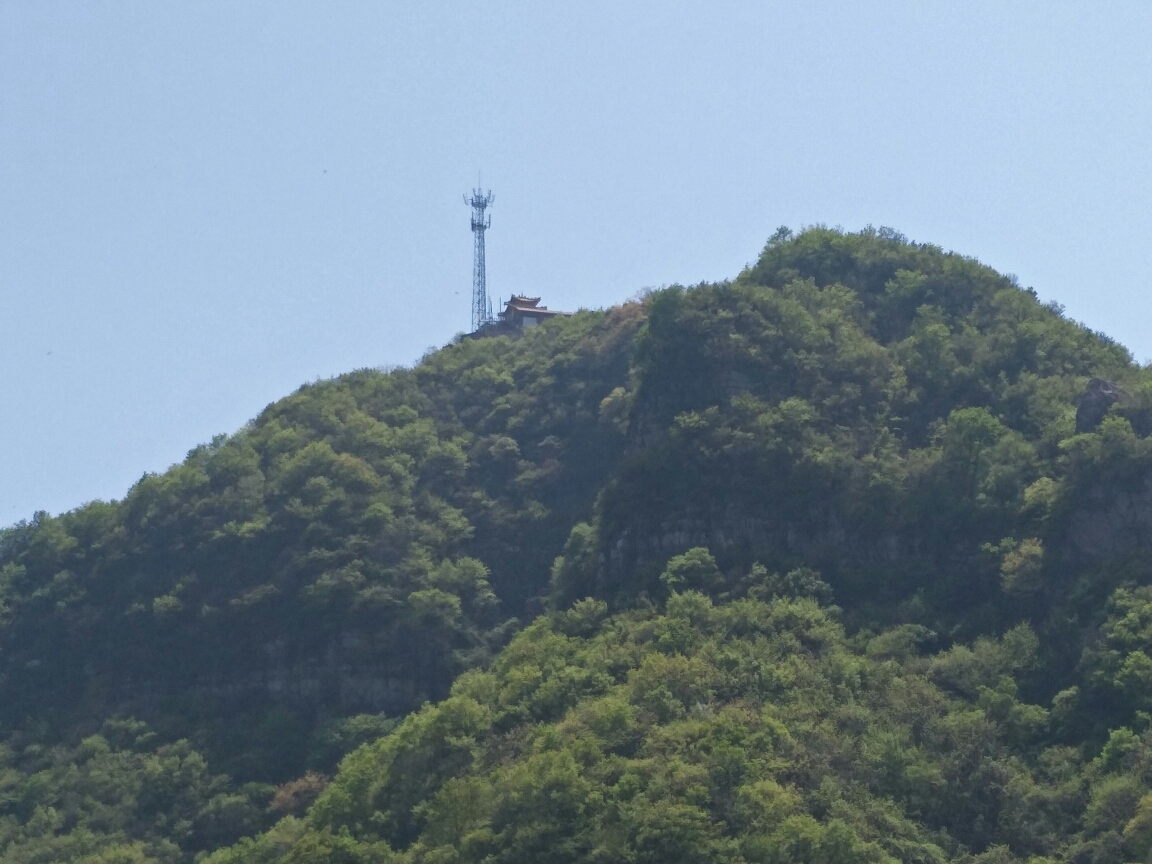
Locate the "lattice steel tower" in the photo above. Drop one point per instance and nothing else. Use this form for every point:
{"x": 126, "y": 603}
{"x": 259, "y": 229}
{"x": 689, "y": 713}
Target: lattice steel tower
{"x": 481, "y": 305}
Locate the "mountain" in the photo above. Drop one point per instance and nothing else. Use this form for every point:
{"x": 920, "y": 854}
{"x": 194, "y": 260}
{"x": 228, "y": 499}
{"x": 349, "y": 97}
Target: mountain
{"x": 844, "y": 559}
{"x": 350, "y": 551}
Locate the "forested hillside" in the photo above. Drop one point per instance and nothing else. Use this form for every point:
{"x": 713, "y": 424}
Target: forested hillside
{"x": 354, "y": 548}
{"x": 845, "y": 559}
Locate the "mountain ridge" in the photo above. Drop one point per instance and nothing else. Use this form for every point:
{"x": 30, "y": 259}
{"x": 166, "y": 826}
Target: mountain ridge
{"x": 854, "y": 417}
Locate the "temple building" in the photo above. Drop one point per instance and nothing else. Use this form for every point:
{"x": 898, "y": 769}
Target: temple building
{"x": 524, "y": 312}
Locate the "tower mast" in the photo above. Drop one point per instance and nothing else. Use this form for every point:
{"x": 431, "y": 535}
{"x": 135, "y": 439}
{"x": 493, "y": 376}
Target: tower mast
{"x": 481, "y": 305}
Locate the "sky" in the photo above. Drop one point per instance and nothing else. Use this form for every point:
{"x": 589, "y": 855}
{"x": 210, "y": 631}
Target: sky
{"x": 205, "y": 205}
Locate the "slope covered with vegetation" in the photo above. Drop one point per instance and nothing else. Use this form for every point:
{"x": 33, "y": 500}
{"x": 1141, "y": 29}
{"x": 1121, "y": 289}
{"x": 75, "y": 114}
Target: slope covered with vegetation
{"x": 750, "y": 731}
{"x": 355, "y": 547}
{"x": 683, "y": 486}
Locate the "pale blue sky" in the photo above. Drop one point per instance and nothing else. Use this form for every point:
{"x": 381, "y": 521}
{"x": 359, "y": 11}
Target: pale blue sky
{"x": 204, "y": 205}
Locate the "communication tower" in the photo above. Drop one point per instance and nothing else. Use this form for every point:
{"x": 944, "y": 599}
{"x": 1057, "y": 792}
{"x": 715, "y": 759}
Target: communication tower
{"x": 481, "y": 305}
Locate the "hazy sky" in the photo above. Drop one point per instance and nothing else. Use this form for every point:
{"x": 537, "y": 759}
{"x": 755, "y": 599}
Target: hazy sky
{"x": 204, "y": 205}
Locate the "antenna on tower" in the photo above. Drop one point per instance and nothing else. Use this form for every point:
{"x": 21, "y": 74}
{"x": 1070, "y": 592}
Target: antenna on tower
{"x": 481, "y": 305}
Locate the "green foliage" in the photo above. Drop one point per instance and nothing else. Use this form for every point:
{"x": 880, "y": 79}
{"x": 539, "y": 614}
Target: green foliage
{"x": 760, "y": 734}
{"x": 681, "y": 486}
{"x": 695, "y": 570}
{"x": 871, "y": 409}
{"x": 351, "y": 550}
{"x": 118, "y": 797}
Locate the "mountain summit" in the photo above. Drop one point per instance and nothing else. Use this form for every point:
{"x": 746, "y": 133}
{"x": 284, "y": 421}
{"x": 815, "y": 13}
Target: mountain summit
{"x": 845, "y": 559}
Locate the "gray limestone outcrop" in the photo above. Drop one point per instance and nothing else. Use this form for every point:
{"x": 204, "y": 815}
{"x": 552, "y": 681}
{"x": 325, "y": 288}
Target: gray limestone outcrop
{"x": 1099, "y": 396}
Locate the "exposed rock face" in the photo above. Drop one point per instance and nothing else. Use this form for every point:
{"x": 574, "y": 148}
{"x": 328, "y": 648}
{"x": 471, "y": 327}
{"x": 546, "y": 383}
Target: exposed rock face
{"x": 1118, "y": 523}
{"x": 1099, "y": 396}
{"x": 817, "y": 538}
{"x": 730, "y": 529}
{"x": 343, "y": 677}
